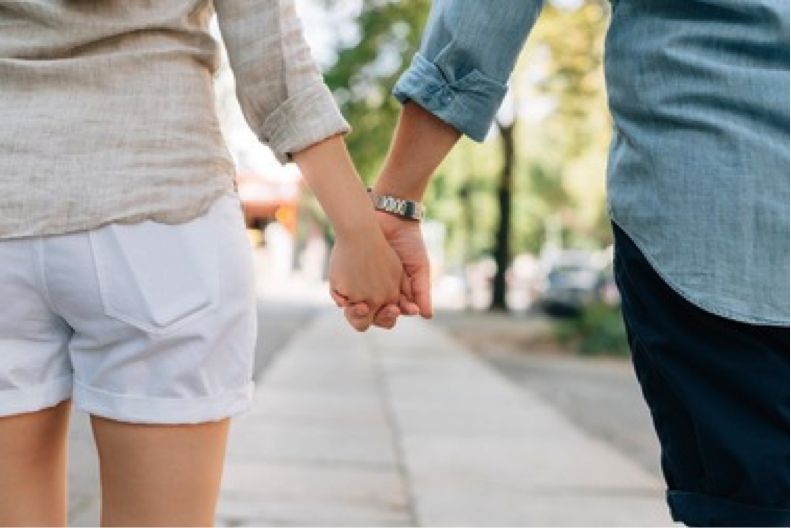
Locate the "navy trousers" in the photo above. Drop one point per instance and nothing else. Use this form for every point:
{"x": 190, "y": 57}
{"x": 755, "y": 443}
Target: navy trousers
{"x": 718, "y": 391}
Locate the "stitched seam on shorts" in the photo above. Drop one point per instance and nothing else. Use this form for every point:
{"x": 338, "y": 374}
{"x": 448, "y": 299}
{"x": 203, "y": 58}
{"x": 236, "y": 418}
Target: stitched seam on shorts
{"x": 42, "y": 277}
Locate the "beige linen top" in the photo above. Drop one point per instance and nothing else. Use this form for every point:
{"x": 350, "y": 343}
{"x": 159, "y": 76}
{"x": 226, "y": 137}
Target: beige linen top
{"x": 107, "y": 106}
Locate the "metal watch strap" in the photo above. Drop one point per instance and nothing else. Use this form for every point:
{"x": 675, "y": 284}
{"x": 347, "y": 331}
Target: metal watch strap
{"x": 408, "y": 209}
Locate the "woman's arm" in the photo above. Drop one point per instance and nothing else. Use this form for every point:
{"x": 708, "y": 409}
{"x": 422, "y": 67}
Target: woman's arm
{"x": 363, "y": 266}
{"x": 286, "y": 103}
{"x": 279, "y": 87}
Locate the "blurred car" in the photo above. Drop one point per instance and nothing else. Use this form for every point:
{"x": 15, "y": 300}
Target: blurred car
{"x": 573, "y": 279}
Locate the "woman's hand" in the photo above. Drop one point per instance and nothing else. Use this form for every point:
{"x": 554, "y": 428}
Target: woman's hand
{"x": 367, "y": 273}
{"x": 363, "y": 269}
{"x": 406, "y": 239}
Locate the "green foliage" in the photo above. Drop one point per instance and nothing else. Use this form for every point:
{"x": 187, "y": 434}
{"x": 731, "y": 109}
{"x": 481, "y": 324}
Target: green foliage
{"x": 560, "y": 156}
{"x": 364, "y": 74}
{"x": 598, "y": 330}
{"x": 564, "y": 154}
{"x": 574, "y": 42}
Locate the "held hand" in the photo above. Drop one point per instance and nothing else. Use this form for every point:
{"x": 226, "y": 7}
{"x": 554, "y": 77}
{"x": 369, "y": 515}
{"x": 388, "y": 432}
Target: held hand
{"x": 367, "y": 274}
{"x": 406, "y": 239}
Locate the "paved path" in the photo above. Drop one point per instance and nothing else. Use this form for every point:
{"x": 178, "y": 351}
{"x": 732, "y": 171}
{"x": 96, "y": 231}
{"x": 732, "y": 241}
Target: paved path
{"x": 598, "y": 394}
{"x": 409, "y": 428}
{"x": 399, "y": 428}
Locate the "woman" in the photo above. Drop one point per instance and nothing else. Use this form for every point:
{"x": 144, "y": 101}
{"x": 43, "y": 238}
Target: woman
{"x": 125, "y": 273}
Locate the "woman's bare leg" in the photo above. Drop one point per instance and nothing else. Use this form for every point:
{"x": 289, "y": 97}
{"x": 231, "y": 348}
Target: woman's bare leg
{"x": 33, "y": 467}
{"x": 159, "y": 475}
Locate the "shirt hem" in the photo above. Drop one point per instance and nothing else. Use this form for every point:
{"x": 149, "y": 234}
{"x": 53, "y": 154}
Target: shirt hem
{"x": 718, "y": 311}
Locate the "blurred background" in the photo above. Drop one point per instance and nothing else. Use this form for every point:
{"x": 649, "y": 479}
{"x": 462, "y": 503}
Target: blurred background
{"x": 517, "y": 224}
{"x": 516, "y": 405}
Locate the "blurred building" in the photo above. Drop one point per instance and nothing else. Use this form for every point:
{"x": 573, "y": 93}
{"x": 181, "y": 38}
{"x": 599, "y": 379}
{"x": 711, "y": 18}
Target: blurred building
{"x": 267, "y": 199}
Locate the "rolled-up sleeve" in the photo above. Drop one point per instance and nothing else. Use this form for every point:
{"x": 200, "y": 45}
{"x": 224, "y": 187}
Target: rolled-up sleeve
{"x": 467, "y": 53}
{"x": 280, "y": 89}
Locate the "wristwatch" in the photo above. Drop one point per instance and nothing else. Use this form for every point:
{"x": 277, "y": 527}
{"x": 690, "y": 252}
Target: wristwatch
{"x": 408, "y": 209}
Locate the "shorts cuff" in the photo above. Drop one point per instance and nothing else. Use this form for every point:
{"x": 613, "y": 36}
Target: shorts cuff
{"x": 35, "y": 398}
{"x": 697, "y": 509}
{"x": 148, "y": 410}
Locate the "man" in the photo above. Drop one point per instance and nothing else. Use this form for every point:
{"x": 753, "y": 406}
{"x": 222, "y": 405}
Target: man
{"x": 698, "y": 193}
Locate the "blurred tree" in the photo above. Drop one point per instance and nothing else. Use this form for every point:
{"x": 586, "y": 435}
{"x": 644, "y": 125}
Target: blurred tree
{"x": 574, "y": 39}
{"x": 570, "y": 39}
{"x": 365, "y": 72}
{"x": 573, "y": 138}
{"x": 502, "y": 249}
{"x": 549, "y": 170}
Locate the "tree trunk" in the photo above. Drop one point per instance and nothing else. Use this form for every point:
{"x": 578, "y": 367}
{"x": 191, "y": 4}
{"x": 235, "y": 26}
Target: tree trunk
{"x": 502, "y": 250}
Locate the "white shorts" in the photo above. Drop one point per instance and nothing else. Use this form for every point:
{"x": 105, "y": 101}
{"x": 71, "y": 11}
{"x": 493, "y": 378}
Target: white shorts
{"x": 142, "y": 323}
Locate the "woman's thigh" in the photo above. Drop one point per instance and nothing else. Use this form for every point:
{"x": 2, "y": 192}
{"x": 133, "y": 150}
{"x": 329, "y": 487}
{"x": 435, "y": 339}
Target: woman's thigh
{"x": 33, "y": 467}
{"x": 35, "y": 384}
{"x": 160, "y": 475}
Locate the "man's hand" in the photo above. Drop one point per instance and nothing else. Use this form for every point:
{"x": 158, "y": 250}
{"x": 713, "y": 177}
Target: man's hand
{"x": 406, "y": 239}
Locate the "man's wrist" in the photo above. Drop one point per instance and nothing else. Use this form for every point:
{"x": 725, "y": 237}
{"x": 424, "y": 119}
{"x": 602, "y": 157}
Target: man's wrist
{"x": 401, "y": 207}
{"x": 393, "y": 186}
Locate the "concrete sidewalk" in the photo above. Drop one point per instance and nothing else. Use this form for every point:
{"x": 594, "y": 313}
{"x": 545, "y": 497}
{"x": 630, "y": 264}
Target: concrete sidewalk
{"x": 409, "y": 428}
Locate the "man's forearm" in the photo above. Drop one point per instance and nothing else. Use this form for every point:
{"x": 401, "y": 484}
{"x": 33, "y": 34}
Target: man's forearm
{"x": 420, "y": 144}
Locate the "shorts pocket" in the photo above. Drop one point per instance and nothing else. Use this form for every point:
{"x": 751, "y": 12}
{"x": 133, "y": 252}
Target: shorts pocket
{"x": 157, "y": 277}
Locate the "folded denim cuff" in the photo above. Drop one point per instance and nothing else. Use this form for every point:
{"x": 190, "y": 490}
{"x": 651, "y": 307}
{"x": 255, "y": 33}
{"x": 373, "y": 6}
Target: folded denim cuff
{"x": 697, "y": 509}
{"x": 304, "y": 119}
{"x": 469, "y": 104}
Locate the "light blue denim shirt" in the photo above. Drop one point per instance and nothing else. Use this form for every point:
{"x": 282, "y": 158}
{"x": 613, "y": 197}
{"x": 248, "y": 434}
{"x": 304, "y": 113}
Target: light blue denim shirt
{"x": 698, "y": 173}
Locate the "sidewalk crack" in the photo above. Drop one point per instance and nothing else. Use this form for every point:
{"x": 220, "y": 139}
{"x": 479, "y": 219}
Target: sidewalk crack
{"x": 396, "y": 434}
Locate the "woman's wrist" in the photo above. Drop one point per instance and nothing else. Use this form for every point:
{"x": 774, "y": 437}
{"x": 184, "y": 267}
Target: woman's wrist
{"x": 331, "y": 175}
{"x": 356, "y": 223}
